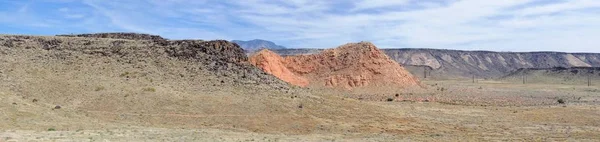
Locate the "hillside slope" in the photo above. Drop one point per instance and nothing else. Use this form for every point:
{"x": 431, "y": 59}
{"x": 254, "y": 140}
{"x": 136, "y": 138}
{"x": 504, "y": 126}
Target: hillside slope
{"x": 104, "y": 82}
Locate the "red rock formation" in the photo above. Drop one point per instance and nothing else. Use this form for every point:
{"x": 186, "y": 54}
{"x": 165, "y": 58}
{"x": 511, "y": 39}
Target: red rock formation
{"x": 348, "y": 66}
{"x": 273, "y": 64}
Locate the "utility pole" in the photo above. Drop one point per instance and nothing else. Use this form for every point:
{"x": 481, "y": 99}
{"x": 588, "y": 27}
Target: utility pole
{"x": 473, "y": 78}
{"x": 589, "y": 80}
{"x": 524, "y": 79}
{"x": 424, "y": 71}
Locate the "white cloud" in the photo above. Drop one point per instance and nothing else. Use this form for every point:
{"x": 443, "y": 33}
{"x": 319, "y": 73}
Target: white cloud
{"x": 559, "y": 7}
{"x": 466, "y": 24}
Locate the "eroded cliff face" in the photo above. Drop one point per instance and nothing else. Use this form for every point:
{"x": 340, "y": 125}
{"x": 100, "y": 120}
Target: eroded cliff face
{"x": 448, "y": 64}
{"x": 485, "y": 64}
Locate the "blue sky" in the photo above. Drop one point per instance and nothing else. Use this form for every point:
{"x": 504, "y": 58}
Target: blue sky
{"x": 498, "y": 25}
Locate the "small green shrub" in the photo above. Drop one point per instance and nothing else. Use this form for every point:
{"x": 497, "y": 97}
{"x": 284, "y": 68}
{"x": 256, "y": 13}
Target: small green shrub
{"x": 51, "y": 129}
{"x": 124, "y": 74}
{"x": 442, "y": 89}
{"x": 149, "y": 90}
{"x": 99, "y": 88}
{"x": 390, "y": 99}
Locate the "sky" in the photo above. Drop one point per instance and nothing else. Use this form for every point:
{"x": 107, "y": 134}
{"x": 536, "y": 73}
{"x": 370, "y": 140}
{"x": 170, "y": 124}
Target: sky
{"x": 496, "y": 25}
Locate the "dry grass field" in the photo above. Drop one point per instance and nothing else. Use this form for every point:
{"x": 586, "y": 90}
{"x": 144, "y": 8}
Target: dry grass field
{"x": 499, "y": 111}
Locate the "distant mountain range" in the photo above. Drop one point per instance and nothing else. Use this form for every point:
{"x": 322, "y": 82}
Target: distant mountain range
{"x": 257, "y": 44}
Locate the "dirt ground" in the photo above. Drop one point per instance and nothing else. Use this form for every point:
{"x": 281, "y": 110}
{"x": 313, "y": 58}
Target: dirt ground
{"x": 470, "y": 112}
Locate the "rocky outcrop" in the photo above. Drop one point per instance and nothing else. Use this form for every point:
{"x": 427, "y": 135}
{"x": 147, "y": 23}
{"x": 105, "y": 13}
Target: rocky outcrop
{"x": 220, "y": 58}
{"x": 218, "y": 49}
{"x": 274, "y": 64}
{"x": 354, "y": 65}
{"x": 130, "y": 36}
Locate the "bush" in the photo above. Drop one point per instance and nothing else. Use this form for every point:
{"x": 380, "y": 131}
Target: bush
{"x": 561, "y": 101}
{"x": 442, "y": 89}
{"x": 124, "y": 74}
{"x": 149, "y": 90}
{"x": 99, "y": 88}
{"x": 51, "y": 129}
{"x": 390, "y": 99}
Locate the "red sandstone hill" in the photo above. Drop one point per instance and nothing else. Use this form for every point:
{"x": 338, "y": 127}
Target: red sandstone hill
{"x": 349, "y": 66}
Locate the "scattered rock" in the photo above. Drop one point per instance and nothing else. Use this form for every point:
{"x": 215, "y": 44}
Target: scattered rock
{"x": 130, "y": 36}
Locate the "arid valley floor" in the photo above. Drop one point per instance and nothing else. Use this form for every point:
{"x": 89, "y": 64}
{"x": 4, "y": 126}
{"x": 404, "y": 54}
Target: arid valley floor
{"x": 102, "y": 89}
{"x": 472, "y": 116}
